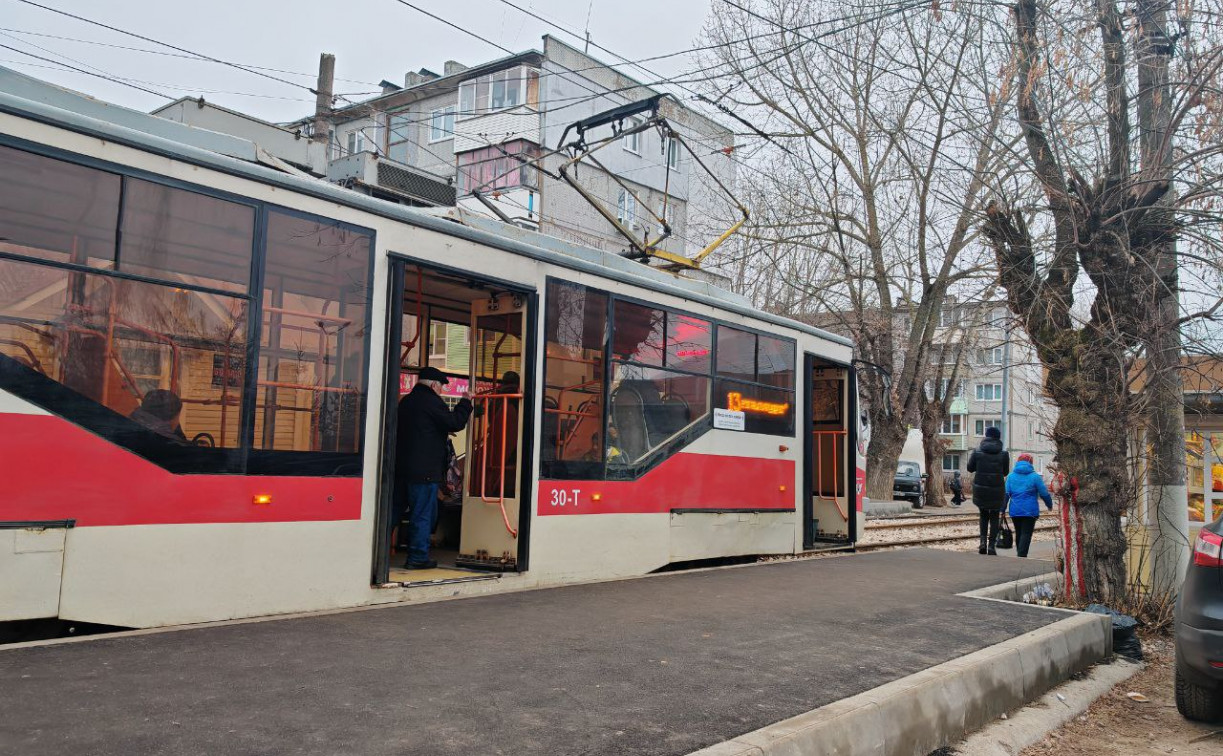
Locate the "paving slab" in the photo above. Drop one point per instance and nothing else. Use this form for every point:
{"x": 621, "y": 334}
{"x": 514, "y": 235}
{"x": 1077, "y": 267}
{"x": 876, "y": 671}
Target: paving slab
{"x": 662, "y": 665}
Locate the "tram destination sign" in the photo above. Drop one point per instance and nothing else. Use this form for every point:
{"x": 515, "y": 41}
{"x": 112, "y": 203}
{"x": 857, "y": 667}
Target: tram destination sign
{"x": 729, "y": 419}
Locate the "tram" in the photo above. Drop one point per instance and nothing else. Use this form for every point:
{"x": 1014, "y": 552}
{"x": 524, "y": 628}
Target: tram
{"x": 201, "y": 358}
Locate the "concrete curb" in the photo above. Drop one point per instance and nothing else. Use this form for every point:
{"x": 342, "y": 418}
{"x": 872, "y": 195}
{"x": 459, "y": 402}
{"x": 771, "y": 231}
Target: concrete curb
{"x": 1029, "y": 725}
{"x": 925, "y": 711}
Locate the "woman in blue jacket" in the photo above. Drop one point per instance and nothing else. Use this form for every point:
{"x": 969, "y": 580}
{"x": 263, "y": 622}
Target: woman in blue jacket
{"x": 1023, "y": 485}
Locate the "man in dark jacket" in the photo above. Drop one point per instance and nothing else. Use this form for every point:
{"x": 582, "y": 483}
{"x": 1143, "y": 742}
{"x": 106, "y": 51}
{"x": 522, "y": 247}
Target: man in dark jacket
{"x": 425, "y": 424}
{"x": 989, "y": 464}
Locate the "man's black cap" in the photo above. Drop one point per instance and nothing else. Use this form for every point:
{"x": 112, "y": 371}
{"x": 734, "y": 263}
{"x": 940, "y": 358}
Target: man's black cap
{"x": 433, "y": 374}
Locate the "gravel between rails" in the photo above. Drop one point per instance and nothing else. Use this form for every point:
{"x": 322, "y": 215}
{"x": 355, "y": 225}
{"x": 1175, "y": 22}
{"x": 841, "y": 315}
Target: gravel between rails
{"x": 930, "y": 533}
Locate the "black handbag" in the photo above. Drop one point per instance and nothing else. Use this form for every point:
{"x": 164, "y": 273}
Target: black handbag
{"x": 1006, "y": 537}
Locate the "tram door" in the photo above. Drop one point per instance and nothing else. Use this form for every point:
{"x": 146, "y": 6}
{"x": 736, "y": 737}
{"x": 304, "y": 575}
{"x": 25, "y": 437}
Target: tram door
{"x": 829, "y": 459}
{"x": 491, "y": 481}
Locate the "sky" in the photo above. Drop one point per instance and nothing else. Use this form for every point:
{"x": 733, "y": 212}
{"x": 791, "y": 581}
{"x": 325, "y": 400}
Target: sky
{"x": 371, "y": 39}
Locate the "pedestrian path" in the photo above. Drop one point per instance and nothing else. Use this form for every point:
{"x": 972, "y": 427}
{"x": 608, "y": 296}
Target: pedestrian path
{"x": 661, "y": 665}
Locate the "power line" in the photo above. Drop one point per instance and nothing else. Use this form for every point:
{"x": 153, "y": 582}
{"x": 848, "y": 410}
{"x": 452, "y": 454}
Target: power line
{"x": 201, "y": 56}
{"x": 171, "y": 54}
{"x": 105, "y": 76}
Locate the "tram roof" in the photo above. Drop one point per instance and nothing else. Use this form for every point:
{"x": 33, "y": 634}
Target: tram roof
{"x": 40, "y": 101}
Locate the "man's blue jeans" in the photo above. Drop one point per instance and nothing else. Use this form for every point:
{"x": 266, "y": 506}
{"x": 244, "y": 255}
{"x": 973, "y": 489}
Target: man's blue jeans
{"x": 422, "y": 517}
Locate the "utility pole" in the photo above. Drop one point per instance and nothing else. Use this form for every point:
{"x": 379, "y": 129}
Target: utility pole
{"x": 1167, "y": 498}
{"x": 1006, "y": 387}
{"x": 322, "y": 97}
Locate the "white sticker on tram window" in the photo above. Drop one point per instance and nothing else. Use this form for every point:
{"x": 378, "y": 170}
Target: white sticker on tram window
{"x": 729, "y": 419}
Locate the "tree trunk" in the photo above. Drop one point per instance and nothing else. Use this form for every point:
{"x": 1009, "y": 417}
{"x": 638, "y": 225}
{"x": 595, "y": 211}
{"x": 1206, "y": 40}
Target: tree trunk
{"x": 933, "y": 448}
{"x": 1088, "y": 383}
{"x": 887, "y": 440}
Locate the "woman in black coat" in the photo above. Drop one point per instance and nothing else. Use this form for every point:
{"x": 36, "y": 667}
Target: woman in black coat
{"x": 989, "y": 464}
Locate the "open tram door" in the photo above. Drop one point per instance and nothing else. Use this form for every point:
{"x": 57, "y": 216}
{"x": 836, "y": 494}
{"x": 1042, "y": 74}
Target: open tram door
{"x": 492, "y": 481}
{"x": 477, "y": 331}
{"x": 830, "y": 459}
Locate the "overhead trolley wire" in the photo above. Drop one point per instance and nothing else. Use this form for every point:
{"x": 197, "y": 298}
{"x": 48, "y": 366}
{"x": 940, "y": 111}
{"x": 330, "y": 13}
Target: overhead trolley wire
{"x": 142, "y": 37}
{"x": 171, "y": 54}
{"x": 70, "y": 67}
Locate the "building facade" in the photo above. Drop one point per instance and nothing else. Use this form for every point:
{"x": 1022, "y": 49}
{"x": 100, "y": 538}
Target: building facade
{"x": 442, "y": 139}
{"x": 999, "y": 384}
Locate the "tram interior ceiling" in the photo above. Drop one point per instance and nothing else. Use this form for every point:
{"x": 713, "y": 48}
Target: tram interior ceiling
{"x": 471, "y": 330}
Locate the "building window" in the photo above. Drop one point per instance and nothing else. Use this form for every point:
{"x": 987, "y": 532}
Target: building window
{"x": 993, "y": 356}
{"x": 356, "y": 142}
{"x": 672, "y": 152}
{"x": 666, "y": 211}
{"x": 441, "y": 124}
{"x": 953, "y": 425}
{"x": 983, "y": 424}
{"x": 626, "y": 208}
{"x": 949, "y": 317}
{"x": 943, "y": 354}
{"x": 951, "y": 463}
{"x": 989, "y": 392}
{"x": 500, "y": 90}
{"x": 998, "y": 317}
{"x": 632, "y": 142}
{"x": 437, "y": 345}
{"x": 506, "y": 166}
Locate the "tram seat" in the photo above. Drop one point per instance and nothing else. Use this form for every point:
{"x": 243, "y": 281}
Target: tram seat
{"x": 628, "y": 417}
{"x": 644, "y": 418}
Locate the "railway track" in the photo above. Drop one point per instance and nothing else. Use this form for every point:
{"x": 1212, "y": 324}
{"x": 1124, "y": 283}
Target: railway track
{"x": 924, "y": 522}
{"x": 934, "y": 539}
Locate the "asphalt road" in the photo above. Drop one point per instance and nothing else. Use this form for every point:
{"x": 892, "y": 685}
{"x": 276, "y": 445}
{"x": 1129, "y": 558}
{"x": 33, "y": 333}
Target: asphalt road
{"x": 663, "y": 665}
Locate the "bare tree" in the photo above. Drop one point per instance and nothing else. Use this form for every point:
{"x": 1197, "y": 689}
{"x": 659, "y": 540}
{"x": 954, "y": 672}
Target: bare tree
{"x": 869, "y": 195}
{"x": 1092, "y": 269}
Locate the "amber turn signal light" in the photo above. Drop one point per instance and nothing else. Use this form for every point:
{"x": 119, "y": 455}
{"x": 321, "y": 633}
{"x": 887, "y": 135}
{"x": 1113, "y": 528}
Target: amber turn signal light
{"x": 262, "y": 499}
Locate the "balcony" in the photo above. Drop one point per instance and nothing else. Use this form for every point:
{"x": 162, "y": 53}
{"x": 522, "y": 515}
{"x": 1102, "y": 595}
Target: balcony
{"x": 956, "y": 442}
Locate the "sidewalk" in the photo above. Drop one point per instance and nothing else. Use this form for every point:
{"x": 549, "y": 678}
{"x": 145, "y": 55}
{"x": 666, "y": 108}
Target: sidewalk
{"x": 661, "y": 665}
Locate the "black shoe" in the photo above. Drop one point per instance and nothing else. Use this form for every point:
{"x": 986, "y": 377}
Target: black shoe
{"x": 981, "y": 550}
{"x": 991, "y": 552}
{"x": 425, "y": 565}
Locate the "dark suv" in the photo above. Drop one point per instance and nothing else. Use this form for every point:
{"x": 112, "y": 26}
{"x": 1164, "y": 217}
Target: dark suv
{"x": 908, "y": 483}
{"x": 1199, "y": 630}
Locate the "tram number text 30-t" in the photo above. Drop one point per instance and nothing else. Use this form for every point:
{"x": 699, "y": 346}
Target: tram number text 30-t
{"x": 565, "y": 497}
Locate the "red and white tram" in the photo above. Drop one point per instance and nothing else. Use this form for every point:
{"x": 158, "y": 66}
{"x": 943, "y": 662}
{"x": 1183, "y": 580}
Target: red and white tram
{"x": 649, "y": 420}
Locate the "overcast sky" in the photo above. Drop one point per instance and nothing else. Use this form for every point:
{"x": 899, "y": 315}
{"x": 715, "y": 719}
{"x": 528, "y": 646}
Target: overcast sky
{"x": 371, "y": 39}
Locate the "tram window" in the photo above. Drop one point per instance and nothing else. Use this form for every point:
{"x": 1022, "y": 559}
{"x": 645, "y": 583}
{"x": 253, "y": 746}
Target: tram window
{"x": 775, "y": 362}
{"x": 575, "y": 333}
{"x": 186, "y": 236}
{"x": 638, "y": 335}
{"x": 756, "y": 377}
{"x": 314, "y": 343}
{"x": 58, "y": 211}
{"x": 91, "y": 347}
{"x": 649, "y": 411}
{"x": 736, "y": 353}
{"x": 765, "y": 409}
{"x": 689, "y": 343}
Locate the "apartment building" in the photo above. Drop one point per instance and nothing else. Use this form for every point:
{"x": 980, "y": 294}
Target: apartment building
{"x": 472, "y": 138}
{"x": 999, "y": 384}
